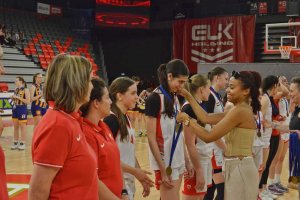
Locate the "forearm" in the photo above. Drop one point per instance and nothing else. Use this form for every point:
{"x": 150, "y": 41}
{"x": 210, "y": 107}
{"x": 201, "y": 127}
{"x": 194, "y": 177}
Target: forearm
{"x": 194, "y": 157}
{"x": 201, "y": 132}
{"x": 221, "y": 144}
{"x": 156, "y": 153}
{"x": 104, "y": 193}
{"x": 128, "y": 169}
{"x": 202, "y": 115}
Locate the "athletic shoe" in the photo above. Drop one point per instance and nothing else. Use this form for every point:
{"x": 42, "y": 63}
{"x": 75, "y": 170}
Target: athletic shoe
{"x": 264, "y": 196}
{"x": 269, "y": 193}
{"x": 274, "y": 190}
{"x": 21, "y": 147}
{"x": 14, "y": 146}
{"x": 278, "y": 185}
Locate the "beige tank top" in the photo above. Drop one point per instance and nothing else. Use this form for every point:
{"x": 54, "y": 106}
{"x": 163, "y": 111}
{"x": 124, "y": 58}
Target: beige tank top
{"x": 239, "y": 142}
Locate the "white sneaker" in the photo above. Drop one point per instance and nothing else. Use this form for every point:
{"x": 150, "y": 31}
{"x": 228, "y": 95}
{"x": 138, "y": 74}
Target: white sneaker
{"x": 264, "y": 196}
{"x": 14, "y": 146}
{"x": 273, "y": 196}
{"x": 21, "y": 146}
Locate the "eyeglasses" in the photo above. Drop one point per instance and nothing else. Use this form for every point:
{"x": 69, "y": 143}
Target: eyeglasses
{"x": 235, "y": 74}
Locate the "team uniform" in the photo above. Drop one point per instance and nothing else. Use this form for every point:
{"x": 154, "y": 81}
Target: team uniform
{"x": 155, "y": 107}
{"x": 19, "y": 111}
{"x": 205, "y": 151}
{"x": 126, "y": 148}
{"x": 102, "y": 142}
{"x": 266, "y": 134}
{"x": 58, "y": 142}
{"x": 284, "y": 112}
{"x": 39, "y": 106}
{"x": 215, "y": 103}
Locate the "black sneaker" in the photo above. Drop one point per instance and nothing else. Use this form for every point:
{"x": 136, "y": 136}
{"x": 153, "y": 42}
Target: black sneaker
{"x": 278, "y": 185}
{"x": 274, "y": 190}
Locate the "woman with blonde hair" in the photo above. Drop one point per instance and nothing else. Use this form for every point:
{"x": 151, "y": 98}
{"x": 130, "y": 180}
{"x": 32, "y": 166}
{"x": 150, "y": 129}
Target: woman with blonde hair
{"x": 64, "y": 165}
{"x": 200, "y": 153}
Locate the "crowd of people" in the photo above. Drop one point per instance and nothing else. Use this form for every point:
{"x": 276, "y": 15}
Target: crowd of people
{"x": 212, "y": 144}
{"x": 10, "y": 37}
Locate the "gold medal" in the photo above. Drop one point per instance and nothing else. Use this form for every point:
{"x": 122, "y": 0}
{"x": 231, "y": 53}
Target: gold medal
{"x": 169, "y": 170}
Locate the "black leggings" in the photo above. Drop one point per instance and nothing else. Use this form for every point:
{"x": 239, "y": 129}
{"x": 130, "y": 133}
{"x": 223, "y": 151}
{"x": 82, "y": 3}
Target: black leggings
{"x": 274, "y": 142}
{"x": 211, "y": 191}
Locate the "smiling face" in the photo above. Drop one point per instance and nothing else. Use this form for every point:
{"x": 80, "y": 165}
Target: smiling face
{"x": 235, "y": 92}
{"x": 176, "y": 83}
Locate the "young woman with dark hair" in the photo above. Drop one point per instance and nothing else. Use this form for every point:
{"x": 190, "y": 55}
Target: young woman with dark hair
{"x": 240, "y": 171}
{"x": 38, "y": 103}
{"x": 272, "y": 89}
{"x": 218, "y": 77}
{"x": 100, "y": 138}
{"x": 123, "y": 92}
{"x": 167, "y": 151}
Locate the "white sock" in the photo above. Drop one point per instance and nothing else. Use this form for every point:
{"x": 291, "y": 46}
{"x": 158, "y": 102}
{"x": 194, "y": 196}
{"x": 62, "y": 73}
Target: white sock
{"x": 270, "y": 181}
{"x": 277, "y": 178}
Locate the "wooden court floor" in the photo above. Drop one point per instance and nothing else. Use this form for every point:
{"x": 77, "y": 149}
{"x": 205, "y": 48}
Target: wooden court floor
{"x": 19, "y": 162}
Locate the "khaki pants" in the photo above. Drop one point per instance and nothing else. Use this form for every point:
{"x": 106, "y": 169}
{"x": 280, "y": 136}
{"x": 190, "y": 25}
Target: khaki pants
{"x": 241, "y": 179}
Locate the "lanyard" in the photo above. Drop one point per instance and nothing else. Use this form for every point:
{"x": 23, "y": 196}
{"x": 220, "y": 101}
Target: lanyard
{"x": 218, "y": 97}
{"x": 175, "y": 135}
{"x": 258, "y": 123}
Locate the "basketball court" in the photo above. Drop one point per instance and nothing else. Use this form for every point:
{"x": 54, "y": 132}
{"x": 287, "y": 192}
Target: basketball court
{"x": 19, "y": 166}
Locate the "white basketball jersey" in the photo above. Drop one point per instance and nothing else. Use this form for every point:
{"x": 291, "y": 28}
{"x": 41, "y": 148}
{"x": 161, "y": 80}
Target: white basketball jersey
{"x": 164, "y": 136}
{"x": 127, "y": 149}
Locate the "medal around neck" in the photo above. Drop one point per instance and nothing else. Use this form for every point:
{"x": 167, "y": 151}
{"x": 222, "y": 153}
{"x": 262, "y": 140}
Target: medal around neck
{"x": 169, "y": 170}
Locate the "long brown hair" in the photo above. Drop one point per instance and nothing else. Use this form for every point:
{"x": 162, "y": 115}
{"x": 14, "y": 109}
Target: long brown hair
{"x": 120, "y": 85}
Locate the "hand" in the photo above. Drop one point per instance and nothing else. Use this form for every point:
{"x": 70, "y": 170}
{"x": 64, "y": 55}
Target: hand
{"x": 189, "y": 170}
{"x": 200, "y": 182}
{"x": 141, "y": 176}
{"x": 166, "y": 180}
{"x": 183, "y": 92}
{"x": 182, "y": 117}
{"x": 15, "y": 96}
{"x": 146, "y": 189}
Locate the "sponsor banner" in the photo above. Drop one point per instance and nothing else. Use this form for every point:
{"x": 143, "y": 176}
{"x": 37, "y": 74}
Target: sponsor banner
{"x": 56, "y": 11}
{"x": 281, "y": 6}
{"x": 210, "y": 40}
{"x": 6, "y": 103}
{"x": 43, "y": 8}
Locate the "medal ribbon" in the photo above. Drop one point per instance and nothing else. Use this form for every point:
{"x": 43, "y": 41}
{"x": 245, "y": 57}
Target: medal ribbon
{"x": 175, "y": 135}
{"x": 218, "y": 96}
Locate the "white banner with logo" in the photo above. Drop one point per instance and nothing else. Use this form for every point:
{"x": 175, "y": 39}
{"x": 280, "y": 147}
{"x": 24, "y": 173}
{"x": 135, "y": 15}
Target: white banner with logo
{"x": 43, "y": 8}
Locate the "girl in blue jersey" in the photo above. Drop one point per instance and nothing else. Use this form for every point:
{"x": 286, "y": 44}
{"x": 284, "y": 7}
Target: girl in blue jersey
{"x": 21, "y": 99}
{"x": 38, "y": 103}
